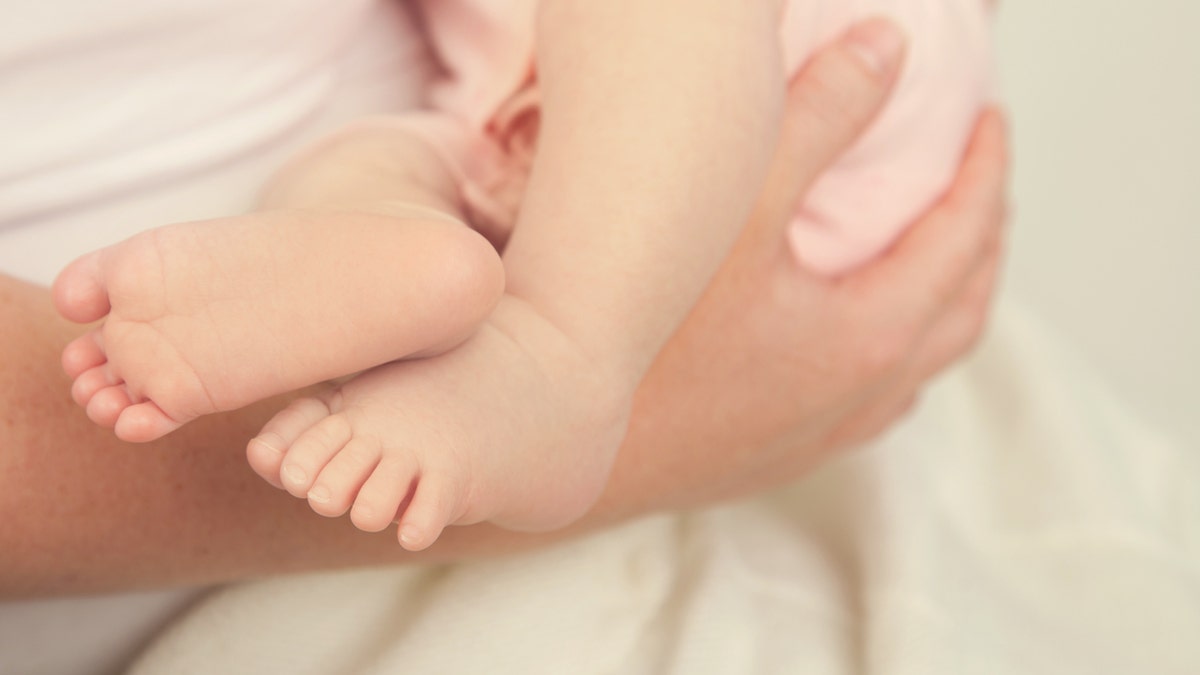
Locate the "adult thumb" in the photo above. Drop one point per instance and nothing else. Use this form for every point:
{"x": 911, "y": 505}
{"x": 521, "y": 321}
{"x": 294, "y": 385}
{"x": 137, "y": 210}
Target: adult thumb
{"x": 830, "y": 103}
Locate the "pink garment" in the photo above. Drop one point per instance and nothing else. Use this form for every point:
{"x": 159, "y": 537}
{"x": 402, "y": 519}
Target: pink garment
{"x": 855, "y": 210}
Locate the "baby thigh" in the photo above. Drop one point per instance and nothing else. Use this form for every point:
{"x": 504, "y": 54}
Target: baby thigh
{"x": 911, "y": 152}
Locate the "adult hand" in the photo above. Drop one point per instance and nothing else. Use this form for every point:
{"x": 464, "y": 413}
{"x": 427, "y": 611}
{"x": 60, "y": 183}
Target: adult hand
{"x": 776, "y": 368}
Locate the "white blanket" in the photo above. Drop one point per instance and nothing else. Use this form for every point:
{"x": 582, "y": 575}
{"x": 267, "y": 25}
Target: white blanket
{"x": 1020, "y": 522}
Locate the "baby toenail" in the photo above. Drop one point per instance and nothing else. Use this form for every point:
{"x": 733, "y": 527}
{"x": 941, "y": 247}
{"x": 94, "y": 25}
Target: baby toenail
{"x": 295, "y": 474}
{"x": 319, "y": 494}
{"x": 409, "y": 535}
{"x": 271, "y": 442}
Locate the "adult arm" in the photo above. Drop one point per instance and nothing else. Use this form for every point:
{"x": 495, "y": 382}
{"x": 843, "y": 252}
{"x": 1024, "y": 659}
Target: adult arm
{"x": 772, "y": 372}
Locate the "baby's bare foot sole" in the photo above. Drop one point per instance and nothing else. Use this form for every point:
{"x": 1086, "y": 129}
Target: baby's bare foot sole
{"x": 206, "y": 317}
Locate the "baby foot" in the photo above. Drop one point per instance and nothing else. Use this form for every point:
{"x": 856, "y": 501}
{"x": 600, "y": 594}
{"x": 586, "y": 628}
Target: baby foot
{"x": 211, "y": 316}
{"x": 513, "y": 427}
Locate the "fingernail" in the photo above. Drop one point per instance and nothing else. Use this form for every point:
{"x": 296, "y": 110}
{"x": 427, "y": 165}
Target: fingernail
{"x": 879, "y": 43}
{"x": 319, "y": 494}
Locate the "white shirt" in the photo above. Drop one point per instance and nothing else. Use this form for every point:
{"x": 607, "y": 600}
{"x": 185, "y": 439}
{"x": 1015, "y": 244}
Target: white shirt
{"x": 140, "y": 112}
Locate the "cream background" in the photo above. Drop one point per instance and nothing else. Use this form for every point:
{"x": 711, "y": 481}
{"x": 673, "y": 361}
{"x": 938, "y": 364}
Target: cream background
{"x": 1105, "y": 96}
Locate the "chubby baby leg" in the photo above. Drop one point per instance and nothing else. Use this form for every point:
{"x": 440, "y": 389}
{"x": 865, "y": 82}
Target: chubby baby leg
{"x": 210, "y": 316}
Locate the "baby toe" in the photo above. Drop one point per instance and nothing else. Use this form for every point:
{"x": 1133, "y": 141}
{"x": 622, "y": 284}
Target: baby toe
{"x": 311, "y": 452}
{"x": 82, "y": 354}
{"x": 264, "y": 454}
{"x": 79, "y": 292}
{"x": 434, "y": 505}
{"x": 144, "y": 422}
{"x": 266, "y": 451}
{"x": 381, "y": 495}
{"x": 105, "y": 405}
{"x": 338, "y": 484}
{"x": 90, "y": 382}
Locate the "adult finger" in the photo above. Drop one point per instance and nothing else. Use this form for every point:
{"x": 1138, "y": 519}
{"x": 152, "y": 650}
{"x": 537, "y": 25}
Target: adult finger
{"x": 830, "y": 103}
{"x": 928, "y": 266}
{"x": 953, "y": 337}
{"x": 873, "y": 418}
{"x": 959, "y": 329}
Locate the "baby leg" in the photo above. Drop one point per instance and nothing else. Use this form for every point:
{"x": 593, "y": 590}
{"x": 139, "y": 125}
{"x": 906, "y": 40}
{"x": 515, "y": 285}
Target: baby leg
{"x": 210, "y": 316}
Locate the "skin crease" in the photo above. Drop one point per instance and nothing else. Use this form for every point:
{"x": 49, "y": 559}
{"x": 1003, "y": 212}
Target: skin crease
{"x": 810, "y": 367}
